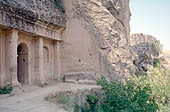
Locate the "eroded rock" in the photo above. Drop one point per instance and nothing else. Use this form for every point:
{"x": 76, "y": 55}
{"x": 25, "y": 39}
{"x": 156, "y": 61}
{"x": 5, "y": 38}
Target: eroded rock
{"x": 33, "y": 10}
{"x": 105, "y": 23}
{"x": 141, "y": 46}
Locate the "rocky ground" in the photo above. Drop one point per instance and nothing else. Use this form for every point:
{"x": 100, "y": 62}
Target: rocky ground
{"x": 33, "y": 98}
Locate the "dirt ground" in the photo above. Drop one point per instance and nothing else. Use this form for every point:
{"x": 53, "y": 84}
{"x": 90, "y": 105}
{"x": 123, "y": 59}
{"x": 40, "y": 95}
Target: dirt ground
{"x": 32, "y": 98}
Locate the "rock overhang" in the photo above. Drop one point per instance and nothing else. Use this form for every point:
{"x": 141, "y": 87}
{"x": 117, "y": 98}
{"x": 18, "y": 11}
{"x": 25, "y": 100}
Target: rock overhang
{"x": 39, "y": 17}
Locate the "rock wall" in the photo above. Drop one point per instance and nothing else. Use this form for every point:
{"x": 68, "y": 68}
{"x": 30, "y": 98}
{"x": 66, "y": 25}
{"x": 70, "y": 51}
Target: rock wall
{"x": 96, "y": 38}
{"x": 30, "y": 34}
{"x": 141, "y": 38}
{"x": 141, "y": 46}
{"x": 43, "y": 10}
{"x": 40, "y": 17}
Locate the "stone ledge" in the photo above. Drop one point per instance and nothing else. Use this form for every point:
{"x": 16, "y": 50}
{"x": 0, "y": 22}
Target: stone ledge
{"x": 81, "y": 77}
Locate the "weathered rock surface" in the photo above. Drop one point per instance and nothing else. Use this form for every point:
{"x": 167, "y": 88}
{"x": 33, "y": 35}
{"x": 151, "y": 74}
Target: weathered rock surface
{"x": 81, "y": 77}
{"x": 93, "y": 40}
{"x": 107, "y": 24}
{"x": 141, "y": 46}
{"x": 39, "y": 17}
{"x": 33, "y": 10}
{"x": 136, "y": 39}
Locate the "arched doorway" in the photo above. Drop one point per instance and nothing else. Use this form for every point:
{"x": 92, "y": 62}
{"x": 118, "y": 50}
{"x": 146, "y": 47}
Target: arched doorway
{"x": 22, "y": 63}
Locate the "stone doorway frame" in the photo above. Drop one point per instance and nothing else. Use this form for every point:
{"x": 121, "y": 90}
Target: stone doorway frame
{"x": 23, "y": 50}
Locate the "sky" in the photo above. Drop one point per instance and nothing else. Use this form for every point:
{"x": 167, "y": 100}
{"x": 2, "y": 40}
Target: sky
{"x": 151, "y": 17}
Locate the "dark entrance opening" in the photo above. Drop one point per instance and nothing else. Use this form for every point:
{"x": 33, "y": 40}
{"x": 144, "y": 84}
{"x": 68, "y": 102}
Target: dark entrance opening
{"x": 22, "y": 63}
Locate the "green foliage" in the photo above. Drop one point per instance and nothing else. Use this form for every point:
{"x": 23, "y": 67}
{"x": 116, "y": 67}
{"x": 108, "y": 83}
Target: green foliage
{"x": 62, "y": 99}
{"x": 120, "y": 97}
{"x": 91, "y": 106}
{"x": 156, "y": 62}
{"x": 156, "y": 48}
{"x": 60, "y": 5}
{"x": 159, "y": 81}
{"x": 5, "y": 90}
{"x": 92, "y": 100}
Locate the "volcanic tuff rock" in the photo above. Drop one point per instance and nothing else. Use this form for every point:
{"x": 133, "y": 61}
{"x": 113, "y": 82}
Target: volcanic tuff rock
{"x": 33, "y": 10}
{"x": 30, "y": 32}
{"x": 39, "y": 17}
{"x": 108, "y": 24}
{"x": 141, "y": 46}
{"x": 94, "y": 39}
{"x": 141, "y": 38}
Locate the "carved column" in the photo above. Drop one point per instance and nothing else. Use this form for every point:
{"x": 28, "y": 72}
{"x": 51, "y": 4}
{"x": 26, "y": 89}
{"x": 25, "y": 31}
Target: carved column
{"x": 2, "y": 58}
{"x": 11, "y": 55}
{"x": 57, "y": 63}
{"x": 39, "y": 78}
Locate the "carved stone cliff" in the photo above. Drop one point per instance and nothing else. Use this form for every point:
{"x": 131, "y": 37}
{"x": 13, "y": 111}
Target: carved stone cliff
{"x": 32, "y": 16}
{"x": 94, "y": 35}
{"x": 105, "y": 23}
{"x": 43, "y": 10}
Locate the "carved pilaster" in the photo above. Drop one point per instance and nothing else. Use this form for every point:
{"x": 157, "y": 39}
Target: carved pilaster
{"x": 57, "y": 63}
{"x": 39, "y": 61}
{"x": 11, "y": 56}
{"x": 2, "y": 58}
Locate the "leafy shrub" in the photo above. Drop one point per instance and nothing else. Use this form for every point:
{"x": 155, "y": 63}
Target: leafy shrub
{"x": 63, "y": 99}
{"x": 60, "y": 5}
{"x": 120, "y": 97}
{"x": 156, "y": 62}
{"x": 159, "y": 81}
{"x": 156, "y": 48}
{"x": 5, "y": 90}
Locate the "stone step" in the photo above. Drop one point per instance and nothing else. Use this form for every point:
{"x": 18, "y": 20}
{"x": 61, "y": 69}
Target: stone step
{"x": 81, "y": 77}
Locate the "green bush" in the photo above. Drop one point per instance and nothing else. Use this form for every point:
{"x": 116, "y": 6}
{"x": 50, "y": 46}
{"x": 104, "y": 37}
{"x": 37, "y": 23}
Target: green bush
{"x": 120, "y": 97}
{"x": 60, "y": 5}
{"x": 159, "y": 81}
{"x": 156, "y": 62}
{"x": 156, "y": 48}
{"x": 5, "y": 90}
{"x": 62, "y": 99}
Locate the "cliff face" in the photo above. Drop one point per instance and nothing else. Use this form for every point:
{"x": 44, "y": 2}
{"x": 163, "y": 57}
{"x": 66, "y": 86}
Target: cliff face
{"x": 121, "y": 11}
{"x": 142, "y": 47}
{"x": 40, "y": 17}
{"x": 33, "y": 10}
{"x": 105, "y": 23}
{"x": 95, "y": 39}
{"x": 141, "y": 38}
